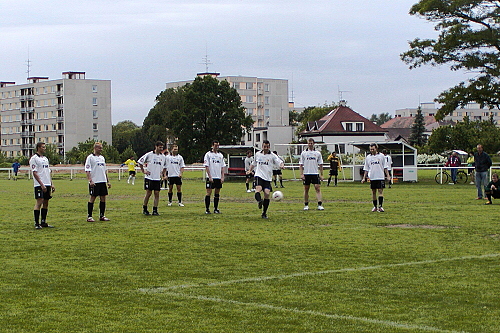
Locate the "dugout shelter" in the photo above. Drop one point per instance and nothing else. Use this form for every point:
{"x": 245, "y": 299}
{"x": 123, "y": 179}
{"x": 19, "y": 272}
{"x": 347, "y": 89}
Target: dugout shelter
{"x": 235, "y": 159}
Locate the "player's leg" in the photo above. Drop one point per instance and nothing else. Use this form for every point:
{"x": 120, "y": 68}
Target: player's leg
{"x": 380, "y": 199}
{"x": 306, "y": 196}
{"x": 216, "y": 200}
{"x": 319, "y": 196}
{"x": 102, "y": 208}
{"x": 36, "y": 210}
{"x": 90, "y": 207}
{"x": 179, "y": 195}
{"x": 170, "y": 191}
{"x": 207, "y": 197}
{"x": 374, "y": 199}
{"x": 258, "y": 197}
{"x": 156, "y": 201}
{"x": 265, "y": 202}
{"x": 146, "y": 201}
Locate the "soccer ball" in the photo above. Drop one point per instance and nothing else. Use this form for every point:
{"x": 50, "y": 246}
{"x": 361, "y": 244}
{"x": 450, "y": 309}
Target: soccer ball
{"x": 277, "y": 196}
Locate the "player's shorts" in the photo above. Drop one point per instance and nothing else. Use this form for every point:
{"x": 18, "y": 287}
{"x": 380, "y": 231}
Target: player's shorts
{"x": 216, "y": 183}
{"x": 334, "y": 172}
{"x": 131, "y": 173}
{"x": 174, "y": 181}
{"x": 152, "y": 185}
{"x": 277, "y": 172}
{"x": 39, "y": 194}
{"x": 377, "y": 184}
{"x": 250, "y": 175}
{"x": 311, "y": 179}
{"x": 264, "y": 183}
{"x": 98, "y": 190}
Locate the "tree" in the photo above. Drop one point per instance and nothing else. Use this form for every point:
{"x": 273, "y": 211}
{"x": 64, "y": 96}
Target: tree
{"x": 417, "y": 137}
{"x": 78, "y": 154}
{"x": 313, "y": 113}
{"x": 381, "y": 118}
{"x": 468, "y": 40}
{"x": 196, "y": 114}
{"x": 123, "y": 132}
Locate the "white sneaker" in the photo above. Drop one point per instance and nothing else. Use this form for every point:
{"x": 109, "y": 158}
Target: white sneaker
{"x": 380, "y": 209}
{"x": 169, "y": 204}
{"x": 306, "y": 207}
{"x": 248, "y": 191}
{"x": 253, "y": 190}
{"x": 321, "y": 207}
{"x": 374, "y": 209}
{"x": 181, "y": 204}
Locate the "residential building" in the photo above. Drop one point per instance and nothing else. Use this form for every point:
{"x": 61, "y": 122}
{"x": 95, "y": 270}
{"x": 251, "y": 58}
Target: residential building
{"x": 472, "y": 110}
{"x": 266, "y": 100}
{"x": 62, "y": 112}
{"x": 399, "y": 128}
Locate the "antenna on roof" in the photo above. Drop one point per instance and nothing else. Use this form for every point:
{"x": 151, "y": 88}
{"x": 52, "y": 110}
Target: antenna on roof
{"x": 206, "y": 61}
{"x": 341, "y": 97}
{"x": 28, "y": 63}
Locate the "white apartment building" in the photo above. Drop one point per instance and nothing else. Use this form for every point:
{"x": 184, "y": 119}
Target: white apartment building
{"x": 62, "y": 112}
{"x": 472, "y": 110}
{"x": 266, "y": 100}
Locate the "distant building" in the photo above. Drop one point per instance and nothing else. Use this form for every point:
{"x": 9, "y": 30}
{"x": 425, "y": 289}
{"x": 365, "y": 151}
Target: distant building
{"x": 266, "y": 101}
{"x": 399, "y": 128}
{"x": 473, "y": 111}
{"x": 62, "y": 112}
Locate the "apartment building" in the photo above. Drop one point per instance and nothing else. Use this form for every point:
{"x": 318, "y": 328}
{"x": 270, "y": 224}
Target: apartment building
{"x": 266, "y": 101}
{"x": 62, "y": 112}
{"x": 472, "y": 110}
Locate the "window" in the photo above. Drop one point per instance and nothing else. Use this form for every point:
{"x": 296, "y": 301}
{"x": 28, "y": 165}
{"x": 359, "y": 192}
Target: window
{"x": 94, "y": 88}
{"x": 94, "y": 114}
{"x": 348, "y": 127}
{"x": 249, "y": 85}
{"x": 360, "y": 127}
{"x": 94, "y": 101}
{"x": 266, "y": 100}
{"x": 266, "y": 87}
{"x": 266, "y": 112}
{"x": 249, "y": 137}
{"x": 249, "y": 99}
{"x": 236, "y": 85}
{"x": 257, "y": 137}
{"x": 249, "y": 112}
{"x": 94, "y": 126}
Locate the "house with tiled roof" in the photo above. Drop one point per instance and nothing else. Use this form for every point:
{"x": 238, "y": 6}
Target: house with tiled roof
{"x": 343, "y": 126}
{"x": 399, "y": 128}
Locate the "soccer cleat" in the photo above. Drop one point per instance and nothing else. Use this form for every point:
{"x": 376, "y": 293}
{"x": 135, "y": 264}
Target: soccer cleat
{"x": 181, "y": 204}
{"x": 207, "y": 212}
{"x": 282, "y": 186}
{"x": 90, "y": 219}
{"x": 253, "y": 190}
{"x": 380, "y": 209}
{"x": 37, "y": 226}
{"x": 155, "y": 213}
{"x": 374, "y": 209}
{"x": 488, "y": 203}
{"x": 104, "y": 218}
{"x": 264, "y": 216}
{"x": 46, "y": 225}
{"x": 306, "y": 207}
{"x": 216, "y": 211}
{"x": 321, "y": 207}
{"x": 261, "y": 202}
{"x": 248, "y": 191}
{"x": 479, "y": 198}
{"x": 169, "y": 203}
{"x": 146, "y": 212}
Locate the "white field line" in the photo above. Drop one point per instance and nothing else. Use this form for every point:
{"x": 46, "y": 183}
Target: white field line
{"x": 302, "y": 274}
{"x": 315, "y": 313}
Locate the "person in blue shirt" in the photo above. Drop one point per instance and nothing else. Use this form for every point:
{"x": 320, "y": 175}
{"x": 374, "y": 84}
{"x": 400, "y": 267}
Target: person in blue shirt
{"x": 15, "y": 168}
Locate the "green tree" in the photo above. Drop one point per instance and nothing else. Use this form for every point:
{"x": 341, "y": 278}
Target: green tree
{"x": 381, "y": 118}
{"x": 127, "y": 153}
{"x": 78, "y": 154}
{"x": 196, "y": 114}
{"x": 313, "y": 113}
{"x": 52, "y": 154}
{"x": 123, "y": 132}
{"x": 468, "y": 40}
{"x": 417, "y": 137}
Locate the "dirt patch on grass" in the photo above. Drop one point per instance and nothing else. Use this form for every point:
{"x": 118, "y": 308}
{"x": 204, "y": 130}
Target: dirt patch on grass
{"x": 417, "y": 226}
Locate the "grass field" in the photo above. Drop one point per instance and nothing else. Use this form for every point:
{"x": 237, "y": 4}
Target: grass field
{"x": 430, "y": 263}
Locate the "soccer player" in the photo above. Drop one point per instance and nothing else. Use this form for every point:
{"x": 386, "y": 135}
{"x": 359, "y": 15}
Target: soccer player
{"x": 492, "y": 189}
{"x": 265, "y": 162}
{"x": 15, "y": 168}
{"x": 130, "y": 163}
{"x": 309, "y": 163}
{"x": 97, "y": 175}
{"x": 277, "y": 172}
{"x": 175, "y": 168}
{"x": 249, "y": 176}
{"x": 376, "y": 170}
{"x": 334, "y": 168}
{"x": 214, "y": 167}
{"x": 156, "y": 167}
{"x": 388, "y": 164}
{"x": 39, "y": 164}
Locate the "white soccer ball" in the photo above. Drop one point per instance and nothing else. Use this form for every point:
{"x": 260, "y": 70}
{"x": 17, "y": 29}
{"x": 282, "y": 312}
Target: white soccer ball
{"x": 277, "y": 196}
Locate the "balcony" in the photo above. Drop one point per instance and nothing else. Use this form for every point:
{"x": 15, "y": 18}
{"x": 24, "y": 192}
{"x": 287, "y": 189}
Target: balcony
{"x": 28, "y": 110}
{"x": 27, "y": 122}
{"x": 60, "y": 119}
{"x": 60, "y": 145}
{"x": 26, "y": 97}
{"x": 59, "y": 93}
{"x": 60, "y": 106}
{"x": 27, "y": 134}
{"x": 60, "y": 132}
{"x": 27, "y": 146}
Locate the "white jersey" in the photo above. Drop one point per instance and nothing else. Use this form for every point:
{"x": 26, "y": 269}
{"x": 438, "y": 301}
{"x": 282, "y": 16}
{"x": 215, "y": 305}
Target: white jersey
{"x": 264, "y": 165}
{"x": 40, "y": 165}
{"x": 155, "y": 165}
{"x": 248, "y": 162}
{"x": 311, "y": 160}
{"x": 97, "y": 167}
{"x": 375, "y": 165}
{"x": 388, "y": 162}
{"x": 276, "y": 167}
{"x": 174, "y": 165}
{"x": 215, "y": 163}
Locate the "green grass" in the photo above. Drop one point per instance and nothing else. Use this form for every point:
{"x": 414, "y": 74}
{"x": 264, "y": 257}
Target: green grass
{"x": 339, "y": 270}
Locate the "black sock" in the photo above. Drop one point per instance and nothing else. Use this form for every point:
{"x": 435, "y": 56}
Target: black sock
{"x": 102, "y": 208}
{"x": 489, "y": 196}
{"x": 144, "y": 208}
{"x": 43, "y": 214}
{"x": 216, "y": 201}
{"x": 170, "y": 196}
{"x": 258, "y": 197}
{"x": 265, "y": 205}
{"x": 329, "y": 180}
{"x": 375, "y": 203}
{"x": 155, "y": 209}
{"x": 207, "y": 202}
{"x": 380, "y": 201}
{"x": 320, "y": 203}
{"x": 306, "y": 203}
{"x": 281, "y": 182}
{"x": 335, "y": 180}
{"x": 90, "y": 208}
{"x": 179, "y": 196}
{"x": 247, "y": 186}
{"x": 36, "y": 213}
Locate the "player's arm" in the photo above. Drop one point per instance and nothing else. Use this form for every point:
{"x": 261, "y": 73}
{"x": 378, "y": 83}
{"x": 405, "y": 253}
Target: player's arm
{"x": 321, "y": 171}
{"x": 37, "y": 177}
{"x": 365, "y": 176}
{"x": 222, "y": 171}
{"x": 107, "y": 178}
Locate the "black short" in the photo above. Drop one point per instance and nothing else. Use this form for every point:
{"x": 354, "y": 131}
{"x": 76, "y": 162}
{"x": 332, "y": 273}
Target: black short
{"x": 277, "y": 172}
{"x": 39, "y": 194}
{"x": 152, "y": 185}
{"x": 250, "y": 175}
{"x": 131, "y": 173}
{"x": 264, "y": 183}
{"x": 216, "y": 183}
{"x": 311, "y": 179}
{"x": 174, "y": 181}
{"x": 98, "y": 190}
{"x": 334, "y": 172}
{"x": 377, "y": 184}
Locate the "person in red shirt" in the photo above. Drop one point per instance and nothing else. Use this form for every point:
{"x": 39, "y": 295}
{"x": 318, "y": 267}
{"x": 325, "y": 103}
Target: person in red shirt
{"x": 453, "y": 162}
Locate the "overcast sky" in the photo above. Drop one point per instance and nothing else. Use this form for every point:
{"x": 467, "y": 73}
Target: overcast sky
{"x": 320, "y": 46}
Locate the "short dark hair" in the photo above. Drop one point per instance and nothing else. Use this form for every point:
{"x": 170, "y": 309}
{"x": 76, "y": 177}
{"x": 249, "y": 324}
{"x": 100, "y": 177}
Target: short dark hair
{"x": 310, "y": 139}
{"x": 374, "y": 145}
{"x": 266, "y": 142}
{"x": 159, "y": 143}
{"x": 39, "y": 144}
{"x": 215, "y": 141}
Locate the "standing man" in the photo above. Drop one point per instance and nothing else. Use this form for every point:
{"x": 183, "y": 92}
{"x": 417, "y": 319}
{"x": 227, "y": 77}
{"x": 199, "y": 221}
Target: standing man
{"x": 214, "y": 167}
{"x": 156, "y": 166}
{"x": 277, "y": 171}
{"x": 334, "y": 167}
{"x": 388, "y": 164}
{"x": 376, "y": 169}
{"x": 265, "y": 162}
{"x": 309, "y": 163}
{"x": 39, "y": 164}
{"x": 175, "y": 169}
{"x": 130, "y": 163}
{"x": 97, "y": 175}
{"x": 249, "y": 175}
{"x": 482, "y": 163}
{"x": 15, "y": 168}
